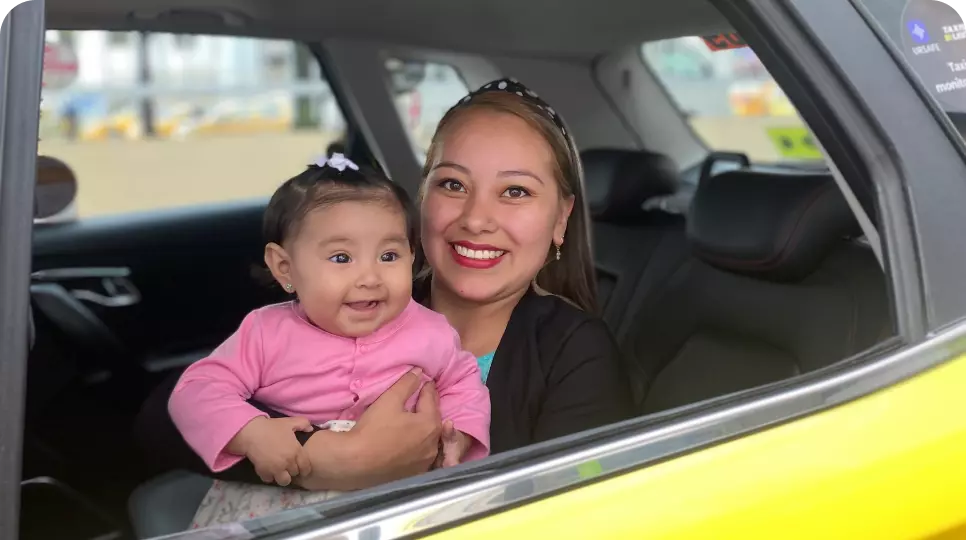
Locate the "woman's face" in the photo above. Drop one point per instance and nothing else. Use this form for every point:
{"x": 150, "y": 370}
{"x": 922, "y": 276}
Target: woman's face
{"x": 491, "y": 207}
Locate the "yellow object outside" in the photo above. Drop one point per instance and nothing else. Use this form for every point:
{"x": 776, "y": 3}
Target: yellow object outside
{"x": 887, "y": 466}
{"x": 794, "y": 142}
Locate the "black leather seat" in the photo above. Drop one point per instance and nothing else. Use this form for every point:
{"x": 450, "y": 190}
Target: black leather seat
{"x": 776, "y": 285}
{"x": 634, "y": 248}
{"x": 627, "y": 238}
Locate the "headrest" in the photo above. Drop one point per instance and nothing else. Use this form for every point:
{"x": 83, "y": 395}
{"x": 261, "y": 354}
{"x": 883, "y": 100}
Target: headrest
{"x": 772, "y": 226}
{"x": 619, "y": 181}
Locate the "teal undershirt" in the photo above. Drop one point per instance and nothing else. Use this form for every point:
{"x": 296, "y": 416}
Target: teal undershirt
{"x": 484, "y": 362}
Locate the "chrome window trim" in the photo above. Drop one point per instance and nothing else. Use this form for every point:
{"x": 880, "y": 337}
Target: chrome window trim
{"x": 528, "y": 484}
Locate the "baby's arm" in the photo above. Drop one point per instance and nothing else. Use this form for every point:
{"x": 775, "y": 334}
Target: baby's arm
{"x": 464, "y": 399}
{"x": 209, "y": 406}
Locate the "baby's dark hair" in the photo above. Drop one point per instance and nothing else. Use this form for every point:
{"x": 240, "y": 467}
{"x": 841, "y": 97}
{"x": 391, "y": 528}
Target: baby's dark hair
{"x": 318, "y": 187}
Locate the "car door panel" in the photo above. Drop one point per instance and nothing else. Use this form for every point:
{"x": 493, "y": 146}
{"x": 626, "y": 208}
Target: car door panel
{"x": 884, "y": 466}
{"x": 193, "y": 271}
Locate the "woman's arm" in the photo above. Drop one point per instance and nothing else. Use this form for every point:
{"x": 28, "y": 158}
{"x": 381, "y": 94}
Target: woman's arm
{"x": 587, "y": 387}
{"x": 386, "y": 444}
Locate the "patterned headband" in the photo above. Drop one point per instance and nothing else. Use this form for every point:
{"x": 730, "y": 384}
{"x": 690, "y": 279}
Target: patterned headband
{"x": 513, "y": 86}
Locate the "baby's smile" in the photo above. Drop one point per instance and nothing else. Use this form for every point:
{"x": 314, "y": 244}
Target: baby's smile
{"x": 364, "y": 305}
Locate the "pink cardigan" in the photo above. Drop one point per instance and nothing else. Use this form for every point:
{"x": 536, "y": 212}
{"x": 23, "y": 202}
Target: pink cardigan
{"x": 283, "y": 361}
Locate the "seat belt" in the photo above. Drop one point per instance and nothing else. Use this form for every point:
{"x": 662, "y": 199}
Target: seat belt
{"x": 868, "y": 229}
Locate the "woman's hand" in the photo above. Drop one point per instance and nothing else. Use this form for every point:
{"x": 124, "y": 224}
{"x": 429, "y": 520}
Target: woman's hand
{"x": 386, "y": 444}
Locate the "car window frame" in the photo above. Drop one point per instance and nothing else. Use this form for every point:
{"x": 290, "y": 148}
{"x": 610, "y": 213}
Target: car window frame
{"x": 667, "y": 435}
{"x": 917, "y": 167}
{"x": 23, "y": 32}
{"x": 409, "y": 56}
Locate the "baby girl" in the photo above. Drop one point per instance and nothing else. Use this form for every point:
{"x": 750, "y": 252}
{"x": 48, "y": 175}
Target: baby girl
{"x": 341, "y": 239}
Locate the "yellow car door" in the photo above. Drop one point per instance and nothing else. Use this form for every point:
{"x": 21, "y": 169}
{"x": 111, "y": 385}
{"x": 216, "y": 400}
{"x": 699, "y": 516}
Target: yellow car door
{"x": 888, "y": 465}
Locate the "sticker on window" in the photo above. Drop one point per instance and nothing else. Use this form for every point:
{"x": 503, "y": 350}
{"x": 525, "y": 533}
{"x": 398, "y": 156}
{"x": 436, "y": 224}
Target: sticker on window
{"x": 724, "y": 42}
{"x": 590, "y": 469}
{"x": 934, "y": 43}
{"x": 794, "y": 143}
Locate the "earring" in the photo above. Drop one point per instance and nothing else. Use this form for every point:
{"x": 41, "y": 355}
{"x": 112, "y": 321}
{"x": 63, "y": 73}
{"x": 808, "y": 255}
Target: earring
{"x": 558, "y": 252}
{"x": 289, "y": 287}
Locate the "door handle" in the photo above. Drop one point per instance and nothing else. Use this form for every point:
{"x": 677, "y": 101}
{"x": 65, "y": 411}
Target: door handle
{"x": 67, "y": 274}
{"x": 120, "y": 293}
{"x": 117, "y": 288}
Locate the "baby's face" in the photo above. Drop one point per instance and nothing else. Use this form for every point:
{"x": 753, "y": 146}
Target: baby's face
{"x": 352, "y": 267}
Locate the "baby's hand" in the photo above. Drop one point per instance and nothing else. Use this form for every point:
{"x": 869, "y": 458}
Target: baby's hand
{"x": 455, "y": 443}
{"x": 271, "y": 446}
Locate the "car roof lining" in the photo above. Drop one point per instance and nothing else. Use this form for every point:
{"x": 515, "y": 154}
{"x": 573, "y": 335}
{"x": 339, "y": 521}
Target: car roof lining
{"x": 577, "y": 29}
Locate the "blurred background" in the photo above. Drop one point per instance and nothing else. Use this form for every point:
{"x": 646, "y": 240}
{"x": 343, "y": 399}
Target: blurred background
{"x": 142, "y": 117}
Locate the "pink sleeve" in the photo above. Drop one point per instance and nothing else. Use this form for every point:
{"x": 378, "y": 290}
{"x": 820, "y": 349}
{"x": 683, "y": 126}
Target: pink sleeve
{"x": 209, "y": 403}
{"x": 464, "y": 399}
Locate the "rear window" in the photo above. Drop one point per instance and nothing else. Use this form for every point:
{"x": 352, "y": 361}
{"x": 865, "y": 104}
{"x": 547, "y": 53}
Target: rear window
{"x": 423, "y": 92}
{"x": 730, "y": 100}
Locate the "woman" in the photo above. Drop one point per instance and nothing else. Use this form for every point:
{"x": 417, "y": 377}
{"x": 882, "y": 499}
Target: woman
{"x": 505, "y": 236}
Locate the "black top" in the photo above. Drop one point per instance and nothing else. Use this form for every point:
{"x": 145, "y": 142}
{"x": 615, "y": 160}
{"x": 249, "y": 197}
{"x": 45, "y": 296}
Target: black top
{"x": 557, "y": 371}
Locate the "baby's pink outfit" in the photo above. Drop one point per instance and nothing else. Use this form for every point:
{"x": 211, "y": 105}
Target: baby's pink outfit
{"x": 281, "y": 360}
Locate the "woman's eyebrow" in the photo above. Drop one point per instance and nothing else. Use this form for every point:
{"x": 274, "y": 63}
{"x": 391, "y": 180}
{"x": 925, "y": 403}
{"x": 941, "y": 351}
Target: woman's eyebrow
{"x": 501, "y": 174}
{"x": 451, "y": 165}
{"x": 521, "y": 172}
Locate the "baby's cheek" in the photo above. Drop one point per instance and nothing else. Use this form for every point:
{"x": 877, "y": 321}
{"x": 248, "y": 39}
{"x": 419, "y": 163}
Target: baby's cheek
{"x": 402, "y": 281}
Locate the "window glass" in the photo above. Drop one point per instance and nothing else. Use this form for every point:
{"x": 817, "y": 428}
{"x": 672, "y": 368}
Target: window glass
{"x": 423, "y": 92}
{"x": 152, "y": 121}
{"x": 730, "y": 100}
{"x": 931, "y": 35}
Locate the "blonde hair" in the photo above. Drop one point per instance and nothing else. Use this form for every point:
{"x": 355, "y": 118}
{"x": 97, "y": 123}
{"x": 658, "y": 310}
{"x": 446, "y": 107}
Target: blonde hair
{"x": 572, "y": 277}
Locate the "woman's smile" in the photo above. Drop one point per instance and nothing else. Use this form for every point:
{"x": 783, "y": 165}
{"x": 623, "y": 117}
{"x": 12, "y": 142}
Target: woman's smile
{"x": 479, "y": 256}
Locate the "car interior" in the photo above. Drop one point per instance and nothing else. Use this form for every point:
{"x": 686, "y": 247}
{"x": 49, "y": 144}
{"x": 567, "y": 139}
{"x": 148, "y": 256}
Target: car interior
{"x": 719, "y": 269}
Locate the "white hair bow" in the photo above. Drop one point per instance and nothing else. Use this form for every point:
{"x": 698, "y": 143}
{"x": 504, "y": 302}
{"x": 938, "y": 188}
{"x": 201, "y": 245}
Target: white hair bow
{"x": 337, "y": 161}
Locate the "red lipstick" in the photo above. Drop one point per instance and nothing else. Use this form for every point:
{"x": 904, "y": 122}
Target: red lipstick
{"x": 463, "y": 259}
